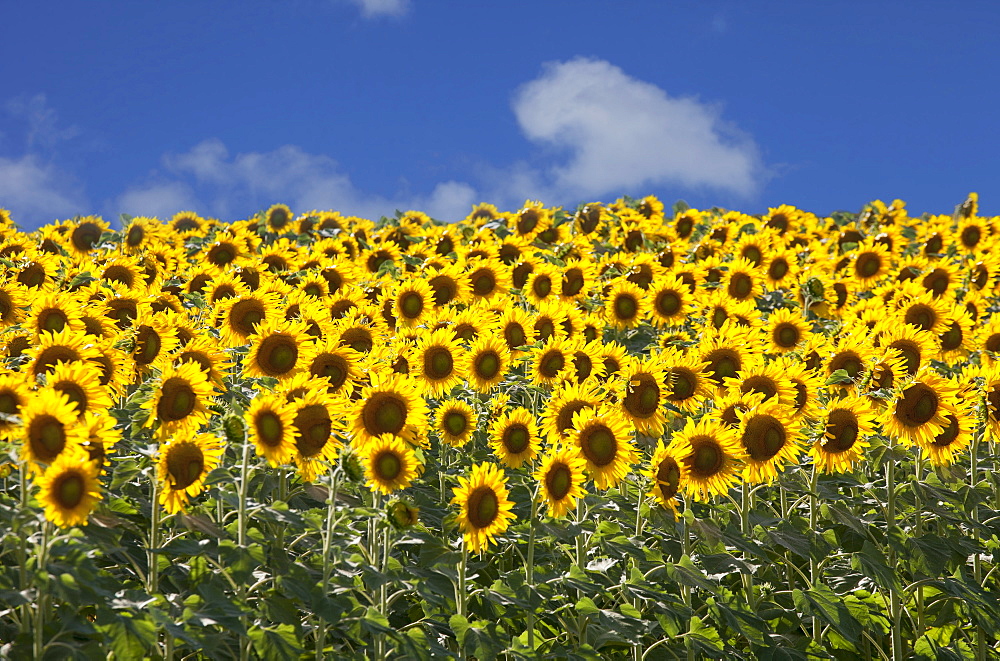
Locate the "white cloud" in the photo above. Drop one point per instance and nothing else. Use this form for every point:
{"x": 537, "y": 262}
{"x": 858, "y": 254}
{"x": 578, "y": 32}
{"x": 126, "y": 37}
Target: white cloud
{"x": 377, "y": 8}
{"x": 37, "y": 193}
{"x": 43, "y": 129}
{"x": 210, "y": 180}
{"x": 622, "y": 134}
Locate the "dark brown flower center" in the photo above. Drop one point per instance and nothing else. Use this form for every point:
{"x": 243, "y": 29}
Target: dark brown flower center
{"x": 484, "y": 506}
{"x": 917, "y": 406}
{"x": 313, "y": 428}
{"x": 763, "y": 437}
{"x": 384, "y": 413}
{"x": 598, "y": 444}
{"x": 842, "y": 431}
{"x": 185, "y": 464}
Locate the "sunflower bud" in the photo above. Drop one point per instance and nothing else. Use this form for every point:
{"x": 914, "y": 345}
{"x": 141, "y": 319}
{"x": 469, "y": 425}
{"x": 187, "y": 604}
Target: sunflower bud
{"x": 234, "y": 428}
{"x": 402, "y": 514}
{"x": 353, "y": 467}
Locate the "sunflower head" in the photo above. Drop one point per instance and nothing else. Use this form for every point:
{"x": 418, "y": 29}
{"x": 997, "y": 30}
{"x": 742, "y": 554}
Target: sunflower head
{"x": 390, "y": 464}
{"x": 184, "y": 461}
{"x": 484, "y": 506}
{"x": 69, "y": 489}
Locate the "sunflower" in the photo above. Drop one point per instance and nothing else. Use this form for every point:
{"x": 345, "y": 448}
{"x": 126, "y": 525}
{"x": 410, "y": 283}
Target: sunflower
{"x": 531, "y": 220}
{"x": 568, "y": 399}
{"x": 65, "y": 346}
{"x": 485, "y": 364}
{"x": 514, "y": 437}
{"x": 604, "y": 438}
{"x": 955, "y": 437}
{"x": 449, "y": 286}
{"x": 184, "y": 462}
{"x": 54, "y": 312}
{"x": 114, "y": 365}
{"x": 412, "y": 300}
{"x": 314, "y": 418}
{"x": 670, "y": 302}
{"x": 270, "y": 420}
{"x": 279, "y": 218}
{"x": 204, "y": 351}
{"x": 972, "y": 233}
{"x": 712, "y": 458}
{"x": 455, "y": 422}
{"x": 240, "y": 316}
{"x": 770, "y": 437}
{"x": 612, "y": 357}
{"x": 187, "y": 223}
{"x": 924, "y": 312}
{"x": 179, "y": 399}
{"x": 155, "y": 339}
{"x": 69, "y": 489}
{"x": 848, "y": 422}
{"x": 781, "y": 268}
{"x": 742, "y": 281}
{"x": 766, "y": 378}
{"x": 390, "y": 464}
{"x": 806, "y": 385}
{"x": 988, "y": 340}
{"x": 338, "y": 364}
{"x": 436, "y": 362}
{"x": 577, "y": 279}
{"x": 471, "y": 323}
{"x": 13, "y": 300}
{"x": 918, "y": 414}
{"x": 917, "y": 346}
{"x": 358, "y": 331}
{"x": 543, "y": 284}
{"x": 786, "y": 330}
{"x": 484, "y": 506}
{"x": 140, "y": 233}
{"x": 668, "y": 472}
{"x": 81, "y": 383}
{"x": 549, "y": 321}
{"x": 587, "y": 362}
{"x": 625, "y": 305}
{"x": 391, "y": 405}
{"x": 871, "y": 263}
{"x": 487, "y": 278}
{"x": 100, "y": 436}
{"x": 551, "y": 362}
{"x": 49, "y": 428}
{"x": 14, "y": 394}
{"x": 279, "y": 349}
{"x": 84, "y": 235}
{"x": 686, "y": 384}
{"x": 560, "y": 478}
{"x": 730, "y": 350}
{"x": 850, "y": 354}
{"x": 942, "y": 278}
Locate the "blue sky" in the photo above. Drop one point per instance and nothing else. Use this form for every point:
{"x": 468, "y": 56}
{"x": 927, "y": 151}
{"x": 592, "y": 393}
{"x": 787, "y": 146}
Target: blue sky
{"x": 366, "y": 106}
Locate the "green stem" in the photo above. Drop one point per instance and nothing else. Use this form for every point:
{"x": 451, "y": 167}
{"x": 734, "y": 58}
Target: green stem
{"x": 153, "y": 573}
{"x": 895, "y": 603}
{"x": 746, "y": 504}
{"x": 241, "y": 524}
{"x": 814, "y": 571}
{"x": 331, "y": 510}
{"x": 380, "y": 545}
{"x": 530, "y": 567}
{"x": 686, "y": 589}
{"x": 41, "y": 600}
{"x": 460, "y": 598}
{"x": 581, "y": 559}
{"x": 23, "y": 550}
{"x": 977, "y": 569}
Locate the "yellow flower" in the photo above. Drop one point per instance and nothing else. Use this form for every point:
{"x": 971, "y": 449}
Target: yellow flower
{"x": 455, "y": 422}
{"x": 848, "y": 422}
{"x": 514, "y": 437}
{"x": 713, "y": 458}
{"x": 270, "y": 421}
{"x": 279, "y": 349}
{"x": 485, "y": 364}
{"x": 918, "y": 413}
{"x": 436, "y": 362}
{"x": 69, "y": 489}
{"x": 179, "y": 399}
{"x": 668, "y": 472}
{"x": 625, "y": 304}
{"x": 184, "y": 462}
{"x": 643, "y": 394}
{"x": 49, "y": 428}
{"x": 484, "y": 506}
{"x": 390, "y": 464}
{"x": 770, "y": 438}
{"x": 391, "y": 405}
{"x": 604, "y": 438}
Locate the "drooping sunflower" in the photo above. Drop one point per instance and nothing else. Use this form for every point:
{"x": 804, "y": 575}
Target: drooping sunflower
{"x": 786, "y": 330}
{"x": 436, "y": 362}
{"x": 604, "y": 438}
{"x": 771, "y": 439}
{"x": 484, "y": 506}
{"x": 668, "y": 472}
{"x": 270, "y": 421}
{"x": 561, "y": 477}
{"x": 81, "y": 383}
{"x": 69, "y": 489}
{"x": 455, "y": 422}
{"x": 279, "y": 349}
{"x": 918, "y": 414}
{"x": 485, "y": 364}
{"x": 713, "y": 458}
{"x": 848, "y": 422}
{"x": 955, "y": 437}
{"x": 514, "y": 437}
{"x": 391, "y": 405}
{"x": 390, "y": 464}
{"x": 14, "y": 394}
{"x": 179, "y": 400}
{"x": 184, "y": 462}
{"x": 49, "y": 428}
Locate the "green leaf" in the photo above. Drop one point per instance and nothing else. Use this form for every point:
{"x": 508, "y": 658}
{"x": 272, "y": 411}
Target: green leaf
{"x": 130, "y": 637}
{"x": 705, "y": 638}
{"x": 275, "y": 643}
{"x": 839, "y": 376}
{"x": 825, "y": 604}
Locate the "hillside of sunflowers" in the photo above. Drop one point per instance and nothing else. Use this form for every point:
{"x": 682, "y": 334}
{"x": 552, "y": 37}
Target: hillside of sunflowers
{"x": 621, "y": 431}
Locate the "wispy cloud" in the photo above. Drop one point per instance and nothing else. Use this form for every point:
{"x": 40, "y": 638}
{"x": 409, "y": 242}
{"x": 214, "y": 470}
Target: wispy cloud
{"x": 618, "y": 133}
{"x": 380, "y": 8}
{"x": 210, "y": 180}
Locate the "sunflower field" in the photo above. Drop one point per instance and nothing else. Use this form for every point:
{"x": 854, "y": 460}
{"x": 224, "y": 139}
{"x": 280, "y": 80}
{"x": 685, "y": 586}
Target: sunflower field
{"x": 619, "y": 431}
